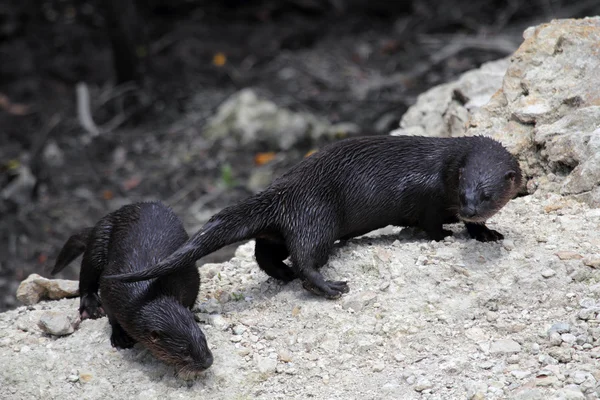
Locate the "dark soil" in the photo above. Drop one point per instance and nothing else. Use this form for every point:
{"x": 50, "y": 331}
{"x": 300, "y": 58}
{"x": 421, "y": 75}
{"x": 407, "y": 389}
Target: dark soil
{"x": 356, "y": 61}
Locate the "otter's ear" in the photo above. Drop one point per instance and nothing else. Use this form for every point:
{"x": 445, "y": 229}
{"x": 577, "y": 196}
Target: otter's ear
{"x": 154, "y": 336}
{"x": 510, "y": 175}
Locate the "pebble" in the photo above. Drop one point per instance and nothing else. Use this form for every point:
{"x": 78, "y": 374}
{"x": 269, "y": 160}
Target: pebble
{"x": 423, "y": 384}
{"x": 359, "y": 301}
{"x": 505, "y": 346}
{"x": 570, "y": 393}
{"x": 592, "y": 261}
{"x": 548, "y": 273}
{"x": 560, "y": 327}
{"x": 568, "y": 255}
{"x": 568, "y": 338}
{"x": 562, "y": 354}
{"x": 486, "y": 365}
{"x": 587, "y": 302}
{"x": 586, "y": 314}
{"x": 520, "y": 374}
{"x": 546, "y": 381}
{"x": 239, "y": 329}
{"x": 58, "y": 323}
{"x": 378, "y": 366}
{"x": 284, "y": 355}
{"x": 535, "y": 348}
{"x": 555, "y": 339}
{"x": 36, "y": 288}
{"x": 73, "y": 378}
{"x": 218, "y": 321}
{"x": 266, "y": 365}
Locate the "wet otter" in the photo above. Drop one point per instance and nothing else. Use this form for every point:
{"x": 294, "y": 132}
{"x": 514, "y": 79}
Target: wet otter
{"x": 155, "y": 313}
{"x": 352, "y": 187}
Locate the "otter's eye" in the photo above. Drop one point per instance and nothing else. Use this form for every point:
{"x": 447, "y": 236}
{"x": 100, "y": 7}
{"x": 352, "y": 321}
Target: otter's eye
{"x": 485, "y": 197}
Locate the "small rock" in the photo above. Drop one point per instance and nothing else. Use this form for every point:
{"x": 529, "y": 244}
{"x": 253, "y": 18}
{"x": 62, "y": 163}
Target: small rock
{"x": 235, "y": 339}
{"x": 57, "y": 323}
{"x": 423, "y": 384}
{"x": 568, "y": 338}
{"x": 587, "y": 302}
{"x": 359, "y": 301}
{"x": 529, "y": 394}
{"x": 548, "y": 273}
{"x": 508, "y": 244}
{"x": 560, "y": 327}
{"x": 535, "y": 348}
{"x": 218, "y": 321}
{"x": 568, "y": 255}
{"x": 513, "y": 359}
{"x": 378, "y": 366}
{"x": 570, "y": 393}
{"x": 486, "y": 365}
{"x": 284, "y": 355}
{"x": 555, "y": 339}
{"x": 73, "y": 378}
{"x": 579, "y": 377}
{"x": 562, "y": 354}
{"x": 266, "y": 365}
{"x": 399, "y": 357}
{"x": 505, "y": 346}
{"x": 239, "y": 329}
{"x": 520, "y": 374}
{"x": 36, "y": 288}
{"x": 545, "y": 380}
{"x": 586, "y": 314}
{"x": 592, "y": 261}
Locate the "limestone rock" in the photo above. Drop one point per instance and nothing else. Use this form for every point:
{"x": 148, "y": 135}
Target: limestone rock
{"x": 36, "y": 288}
{"x": 248, "y": 118}
{"x": 546, "y": 111}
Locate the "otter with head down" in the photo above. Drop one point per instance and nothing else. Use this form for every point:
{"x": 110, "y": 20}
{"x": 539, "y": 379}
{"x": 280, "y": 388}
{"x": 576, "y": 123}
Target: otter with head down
{"x": 352, "y": 187}
{"x": 154, "y": 312}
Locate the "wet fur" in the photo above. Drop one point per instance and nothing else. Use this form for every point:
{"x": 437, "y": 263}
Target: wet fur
{"x": 154, "y": 312}
{"x": 350, "y": 188}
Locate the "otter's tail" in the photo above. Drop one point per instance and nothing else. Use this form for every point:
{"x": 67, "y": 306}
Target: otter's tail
{"x": 71, "y": 250}
{"x": 233, "y": 224}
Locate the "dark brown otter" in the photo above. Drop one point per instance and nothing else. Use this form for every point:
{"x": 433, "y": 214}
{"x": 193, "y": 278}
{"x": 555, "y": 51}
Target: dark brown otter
{"x": 155, "y": 312}
{"x": 352, "y": 187}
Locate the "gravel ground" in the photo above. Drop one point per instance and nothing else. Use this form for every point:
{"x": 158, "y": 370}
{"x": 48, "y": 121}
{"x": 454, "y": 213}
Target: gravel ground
{"x": 451, "y": 320}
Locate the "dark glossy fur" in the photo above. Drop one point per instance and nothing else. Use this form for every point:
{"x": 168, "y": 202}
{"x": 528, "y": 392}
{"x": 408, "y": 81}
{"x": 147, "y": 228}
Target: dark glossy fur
{"x": 350, "y": 188}
{"x": 153, "y": 312}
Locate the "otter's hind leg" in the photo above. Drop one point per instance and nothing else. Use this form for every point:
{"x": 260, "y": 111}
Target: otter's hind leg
{"x": 119, "y": 338}
{"x": 269, "y": 256}
{"x": 306, "y": 262}
{"x": 93, "y": 263}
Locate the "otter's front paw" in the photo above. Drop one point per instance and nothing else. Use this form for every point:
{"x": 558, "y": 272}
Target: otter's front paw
{"x": 482, "y": 233}
{"x": 330, "y": 290}
{"x": 90, "y": 306}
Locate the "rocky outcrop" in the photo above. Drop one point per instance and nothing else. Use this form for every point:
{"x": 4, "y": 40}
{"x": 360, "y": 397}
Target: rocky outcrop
{"x": 545, "y": 109}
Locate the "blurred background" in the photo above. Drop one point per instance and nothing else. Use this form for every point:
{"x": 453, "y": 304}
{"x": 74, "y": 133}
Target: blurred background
{"x": 200, "y": 103}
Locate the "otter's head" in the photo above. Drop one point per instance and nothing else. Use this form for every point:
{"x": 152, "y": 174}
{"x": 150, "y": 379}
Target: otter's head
{"x": 489, "y": 178}
{"x": 173, "y": 336}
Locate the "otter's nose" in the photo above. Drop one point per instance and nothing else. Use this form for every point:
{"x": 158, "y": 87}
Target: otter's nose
{"x": 208, "y": 361}
{"x": 468, "y": 212}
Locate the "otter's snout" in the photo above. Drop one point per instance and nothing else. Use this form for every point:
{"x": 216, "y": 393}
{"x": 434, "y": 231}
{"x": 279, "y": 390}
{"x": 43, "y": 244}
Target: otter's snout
{"x": 207, "y": 362}
{"x": 468, "y": 212}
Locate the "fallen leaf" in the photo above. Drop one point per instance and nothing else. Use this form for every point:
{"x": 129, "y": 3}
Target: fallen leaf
{"x": 107, "y": 194}
{"x": 219, "y": 59}
{"x": 263, "y": 158}
{"x": 131, "y": 183}
{"x": 296, "y": 311}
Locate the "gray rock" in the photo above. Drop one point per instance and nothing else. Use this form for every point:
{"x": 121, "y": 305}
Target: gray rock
{"x": 570, "y": 393}
{"x": 247, "y": 118}
{"x": 36, "y": 288}
{"x": 266, "y": 365}
{"x": 548, "y": 273}
{"x": 559, "y": 327}
{"x": 505, "y": 346}
{"x": 423, "y": 384}
{"x": 530, "y": 111}
{"x": 359, "y": 301}
{"x": 57, "y": 323}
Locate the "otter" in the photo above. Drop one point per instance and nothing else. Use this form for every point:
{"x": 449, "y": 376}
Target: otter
{"x": 155, "y": 312}
{"x": 350, "y": 188}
